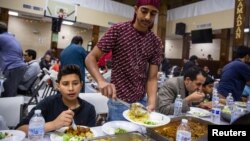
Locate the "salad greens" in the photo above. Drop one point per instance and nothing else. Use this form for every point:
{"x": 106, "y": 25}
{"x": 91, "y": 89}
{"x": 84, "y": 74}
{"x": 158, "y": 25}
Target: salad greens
{"x": 4, "y": 135}
{"x": 120, "y": 131}
{"x": 149, "y": 122}
{"x": 72, "y": 138}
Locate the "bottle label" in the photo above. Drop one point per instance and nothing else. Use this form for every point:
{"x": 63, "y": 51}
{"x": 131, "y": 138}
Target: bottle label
{"x": 183, "y": 135}
{"x": 177, "y": 108}
{"x": 178, "y": 104}
{"x": 36, "y": 131}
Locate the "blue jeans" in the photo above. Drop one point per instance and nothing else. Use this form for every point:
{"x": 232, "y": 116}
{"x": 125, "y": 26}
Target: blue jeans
{"x": 116, "y": 109}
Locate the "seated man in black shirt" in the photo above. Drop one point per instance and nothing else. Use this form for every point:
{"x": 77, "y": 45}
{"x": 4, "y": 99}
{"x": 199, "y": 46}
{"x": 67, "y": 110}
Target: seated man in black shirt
{"x": 59, "y": 110}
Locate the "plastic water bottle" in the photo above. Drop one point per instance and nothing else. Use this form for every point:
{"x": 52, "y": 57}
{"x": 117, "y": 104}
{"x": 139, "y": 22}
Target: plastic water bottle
{"x": 216, "y": 110}
{"x": 36, "y": 127}
{"x": 215, "y": 97}
{"x": 248, "y": 104}
{"x": 230, "y": 101}
{"x": 178, "y": 105}
{"x": 183, "y": 131}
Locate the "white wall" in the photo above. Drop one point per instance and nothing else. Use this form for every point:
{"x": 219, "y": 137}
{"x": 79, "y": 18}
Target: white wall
{"x": 68, "y": 32}
{"x": 173, "y": 49}
{"x": 35, "y": 34}
{"x": 202, "y": 50}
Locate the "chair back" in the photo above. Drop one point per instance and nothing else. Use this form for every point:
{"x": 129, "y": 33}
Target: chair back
{"x": 10, "y": 109}
{"x": 98, "y": 100}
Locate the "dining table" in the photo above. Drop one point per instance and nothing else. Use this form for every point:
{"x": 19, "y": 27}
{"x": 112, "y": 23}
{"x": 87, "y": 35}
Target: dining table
{"x": 99, "y": 132}
{"x": 97, "y": 129}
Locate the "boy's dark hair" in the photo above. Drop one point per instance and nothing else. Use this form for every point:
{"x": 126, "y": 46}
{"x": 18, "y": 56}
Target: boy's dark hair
{"x": 242, "y": 51}
{"x": 77, "y": 40}
{"x": 209, "y": 80}
{"x": 193, "y": 72}
{"x": 32, "y": 53}
{"x": 69, "y": 69}
{"x": 3, "y": 27}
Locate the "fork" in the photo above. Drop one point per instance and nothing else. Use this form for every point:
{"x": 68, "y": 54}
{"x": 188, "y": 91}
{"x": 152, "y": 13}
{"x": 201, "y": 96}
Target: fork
{"x": 73, "y": 125}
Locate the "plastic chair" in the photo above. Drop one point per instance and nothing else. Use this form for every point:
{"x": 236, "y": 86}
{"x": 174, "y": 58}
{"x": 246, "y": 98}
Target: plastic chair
{"x": 100, "y": 103}
{"x": 10, "y": 109}
{"x": 98, "y": 100}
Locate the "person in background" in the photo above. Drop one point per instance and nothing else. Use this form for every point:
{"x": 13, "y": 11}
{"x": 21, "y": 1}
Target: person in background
{"x": 235, "y": 75}
{"x": 209, "y": 57}
{"x": 108, "y": 68}
{"x": 218, "y": 73}
{"x": 188, "y": 86}
{"x": 56, "y": 65}
{"x": 46, "y": 62}
{"x": 102, "y": 61}
{"x": 136, "y": 55}
{"x": 11, "y": 61}
{"x": 207, "y": 89}
{"x": 165, "y": 66}
{"x": 206, "y": 70}
{"x": 59, "y": 110}
{"x": 52, "y": 53}
{"x": 75, "y": 54}
{"x": 32, "y": 71}
{"x": 193, "y": 61}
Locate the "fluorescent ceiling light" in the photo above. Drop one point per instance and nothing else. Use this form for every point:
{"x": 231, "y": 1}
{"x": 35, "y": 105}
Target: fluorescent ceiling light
{"x": 12, "y": 13}
{"x": 246, "y": 30}
{"x": 67, "y": 23}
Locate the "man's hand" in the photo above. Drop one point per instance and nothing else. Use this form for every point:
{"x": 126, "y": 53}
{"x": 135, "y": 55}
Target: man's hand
{"x": 107, "y": 89}
{"x": 151, "y": 107}
{"x": 195, "y": 97}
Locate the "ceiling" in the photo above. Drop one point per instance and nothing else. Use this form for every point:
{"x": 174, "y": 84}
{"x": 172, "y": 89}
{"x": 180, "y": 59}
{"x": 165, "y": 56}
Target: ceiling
{"x": 170, "y": 3}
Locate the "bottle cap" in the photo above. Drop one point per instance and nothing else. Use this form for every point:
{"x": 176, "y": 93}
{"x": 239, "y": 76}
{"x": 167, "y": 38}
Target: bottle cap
{"x": 38, "y": 111}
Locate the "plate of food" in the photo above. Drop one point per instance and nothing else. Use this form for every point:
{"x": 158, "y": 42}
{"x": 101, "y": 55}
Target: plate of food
{"x": 69, "y": 134}
{"x": 241, "y": 104}
{"x": 11, "y": 135}
{"x": 149, "y": 120}
{"x": 119, "y": 127}
{"x": 198, "y": 112}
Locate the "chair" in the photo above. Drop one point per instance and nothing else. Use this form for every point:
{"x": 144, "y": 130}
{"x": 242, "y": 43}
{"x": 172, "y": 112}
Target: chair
{"x": 98, "y": 100}
{"x": 10, "y": 109}
{"x": 30, "y": 107}
{"x": 100, "y": 103}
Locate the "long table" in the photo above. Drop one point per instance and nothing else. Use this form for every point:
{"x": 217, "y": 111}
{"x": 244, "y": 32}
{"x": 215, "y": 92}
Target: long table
{"x": 98, "y": 129}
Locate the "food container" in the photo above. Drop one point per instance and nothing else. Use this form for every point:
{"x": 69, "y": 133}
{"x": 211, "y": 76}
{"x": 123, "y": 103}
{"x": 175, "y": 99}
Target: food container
{"x": 130, "y": 136}
{"x": 168, "y": 132}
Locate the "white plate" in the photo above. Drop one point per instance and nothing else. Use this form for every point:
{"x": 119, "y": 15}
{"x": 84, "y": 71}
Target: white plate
{"x": 155, "y": 117}
{"x": 110, "y": 127}
{"x": 198, "y": 112}
{"x": 57, "y": 137}
{"x": 241, "y": 104}
{"x": 17, "y": 135}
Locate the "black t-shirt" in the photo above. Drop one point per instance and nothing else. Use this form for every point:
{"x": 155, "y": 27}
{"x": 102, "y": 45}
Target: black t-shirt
{"x": 52, "y": 107}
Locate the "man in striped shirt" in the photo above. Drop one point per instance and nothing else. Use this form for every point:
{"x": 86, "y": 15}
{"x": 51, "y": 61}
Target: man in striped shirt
{"x": 135, "y": 60}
